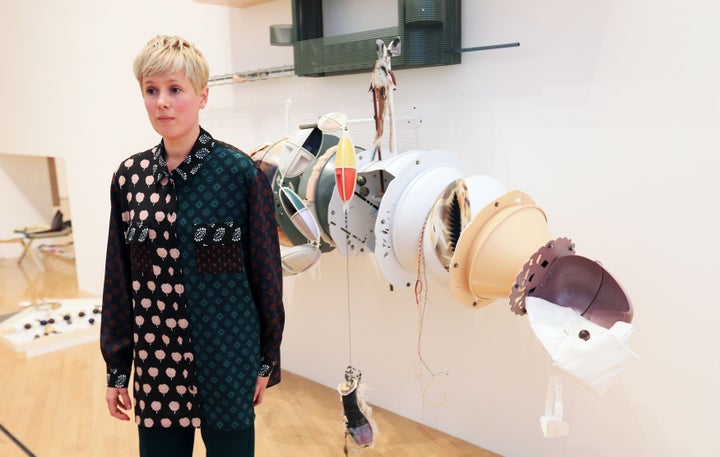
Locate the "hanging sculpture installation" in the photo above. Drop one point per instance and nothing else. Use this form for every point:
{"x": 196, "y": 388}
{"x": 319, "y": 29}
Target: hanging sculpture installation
{"x": 416, "y": 212}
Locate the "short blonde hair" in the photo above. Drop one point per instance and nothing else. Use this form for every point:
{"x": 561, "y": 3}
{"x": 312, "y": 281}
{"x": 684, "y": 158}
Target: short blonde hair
{"x": 167, "y": 54}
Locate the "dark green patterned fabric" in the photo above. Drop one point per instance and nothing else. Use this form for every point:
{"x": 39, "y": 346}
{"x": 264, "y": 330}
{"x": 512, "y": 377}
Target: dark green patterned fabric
{"x": 224, "y": 323}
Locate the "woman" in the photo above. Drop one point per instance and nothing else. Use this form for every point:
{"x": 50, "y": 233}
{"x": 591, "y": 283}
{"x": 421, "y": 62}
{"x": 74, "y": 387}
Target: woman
{"x": 192, "y": 301}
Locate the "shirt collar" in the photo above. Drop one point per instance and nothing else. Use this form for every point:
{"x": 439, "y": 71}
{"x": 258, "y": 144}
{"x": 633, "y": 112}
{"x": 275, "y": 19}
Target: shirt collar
{"x": 188, "y": 167}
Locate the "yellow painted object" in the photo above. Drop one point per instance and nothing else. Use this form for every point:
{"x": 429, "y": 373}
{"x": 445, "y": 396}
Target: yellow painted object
{"x": 345, "y": 168}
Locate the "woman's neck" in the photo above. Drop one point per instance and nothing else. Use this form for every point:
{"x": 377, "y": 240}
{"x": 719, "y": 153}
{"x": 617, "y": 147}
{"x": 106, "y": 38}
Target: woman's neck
{"x": 178, "y": 149}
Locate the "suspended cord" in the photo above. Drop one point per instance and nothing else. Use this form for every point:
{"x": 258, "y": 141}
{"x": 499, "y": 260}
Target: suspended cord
{"x": 421, "y": 299}
{"x": 347, "y": 282}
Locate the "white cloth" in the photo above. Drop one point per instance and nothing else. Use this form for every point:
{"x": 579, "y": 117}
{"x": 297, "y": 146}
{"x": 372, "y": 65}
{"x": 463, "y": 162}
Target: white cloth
{"x": 595, "y": 361}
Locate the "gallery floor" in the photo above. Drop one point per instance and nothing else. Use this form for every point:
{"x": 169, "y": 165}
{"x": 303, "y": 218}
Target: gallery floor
{"x": 53, "y": 404}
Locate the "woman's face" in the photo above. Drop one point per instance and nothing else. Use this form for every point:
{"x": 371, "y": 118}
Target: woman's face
{"x": 173, "y": 106}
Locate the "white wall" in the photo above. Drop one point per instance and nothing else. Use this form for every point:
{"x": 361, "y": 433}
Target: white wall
{"x": 25, "y": 197}
{"x": 607, "y": 115}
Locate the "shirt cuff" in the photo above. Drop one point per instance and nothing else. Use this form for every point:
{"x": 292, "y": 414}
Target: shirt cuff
{"x": 266, "y": 367}
{"x": 118, "y": 378}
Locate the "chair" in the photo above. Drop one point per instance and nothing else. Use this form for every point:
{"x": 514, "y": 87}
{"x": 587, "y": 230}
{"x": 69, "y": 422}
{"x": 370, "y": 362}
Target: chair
{"x": 27, "y": 235}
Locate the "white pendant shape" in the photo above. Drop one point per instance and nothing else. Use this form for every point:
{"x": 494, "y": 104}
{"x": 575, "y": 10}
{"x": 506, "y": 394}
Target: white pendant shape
{"x": 332, "y": 122}
{"x": 299, "y": 214}
{"x": 299, "y": 152}
{"x": 298, "y": 259}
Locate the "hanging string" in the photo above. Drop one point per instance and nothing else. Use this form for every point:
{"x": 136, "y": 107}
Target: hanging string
{"x": 421, "y": 300}
{"x": 348, "y": 370}
{"x": 347, "y": 282}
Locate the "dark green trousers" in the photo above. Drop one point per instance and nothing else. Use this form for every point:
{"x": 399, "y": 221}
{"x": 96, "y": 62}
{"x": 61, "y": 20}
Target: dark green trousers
{"x": 178, "y": 442}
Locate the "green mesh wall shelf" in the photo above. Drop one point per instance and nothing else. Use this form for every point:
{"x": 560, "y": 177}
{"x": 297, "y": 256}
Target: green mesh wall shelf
{"x": 429, "y": 31}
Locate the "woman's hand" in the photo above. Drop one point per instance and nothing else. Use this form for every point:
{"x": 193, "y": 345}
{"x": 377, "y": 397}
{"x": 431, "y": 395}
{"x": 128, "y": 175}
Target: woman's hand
{"x": 117, "y": 399}
{"x": 260, "y": 386}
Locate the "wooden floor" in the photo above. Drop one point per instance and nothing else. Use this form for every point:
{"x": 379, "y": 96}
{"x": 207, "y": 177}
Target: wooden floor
{"x": 53, "y": 404}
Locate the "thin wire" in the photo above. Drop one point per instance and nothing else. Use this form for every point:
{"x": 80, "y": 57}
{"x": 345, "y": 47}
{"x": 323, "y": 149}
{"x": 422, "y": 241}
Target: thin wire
{"x": 347, "y": 282}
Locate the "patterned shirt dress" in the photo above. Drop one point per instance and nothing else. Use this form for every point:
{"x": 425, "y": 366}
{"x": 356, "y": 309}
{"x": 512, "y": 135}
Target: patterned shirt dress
{"x": 192, "y": 301}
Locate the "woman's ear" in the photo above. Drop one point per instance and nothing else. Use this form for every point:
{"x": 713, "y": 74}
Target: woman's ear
{"x": 204, "y": 96}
